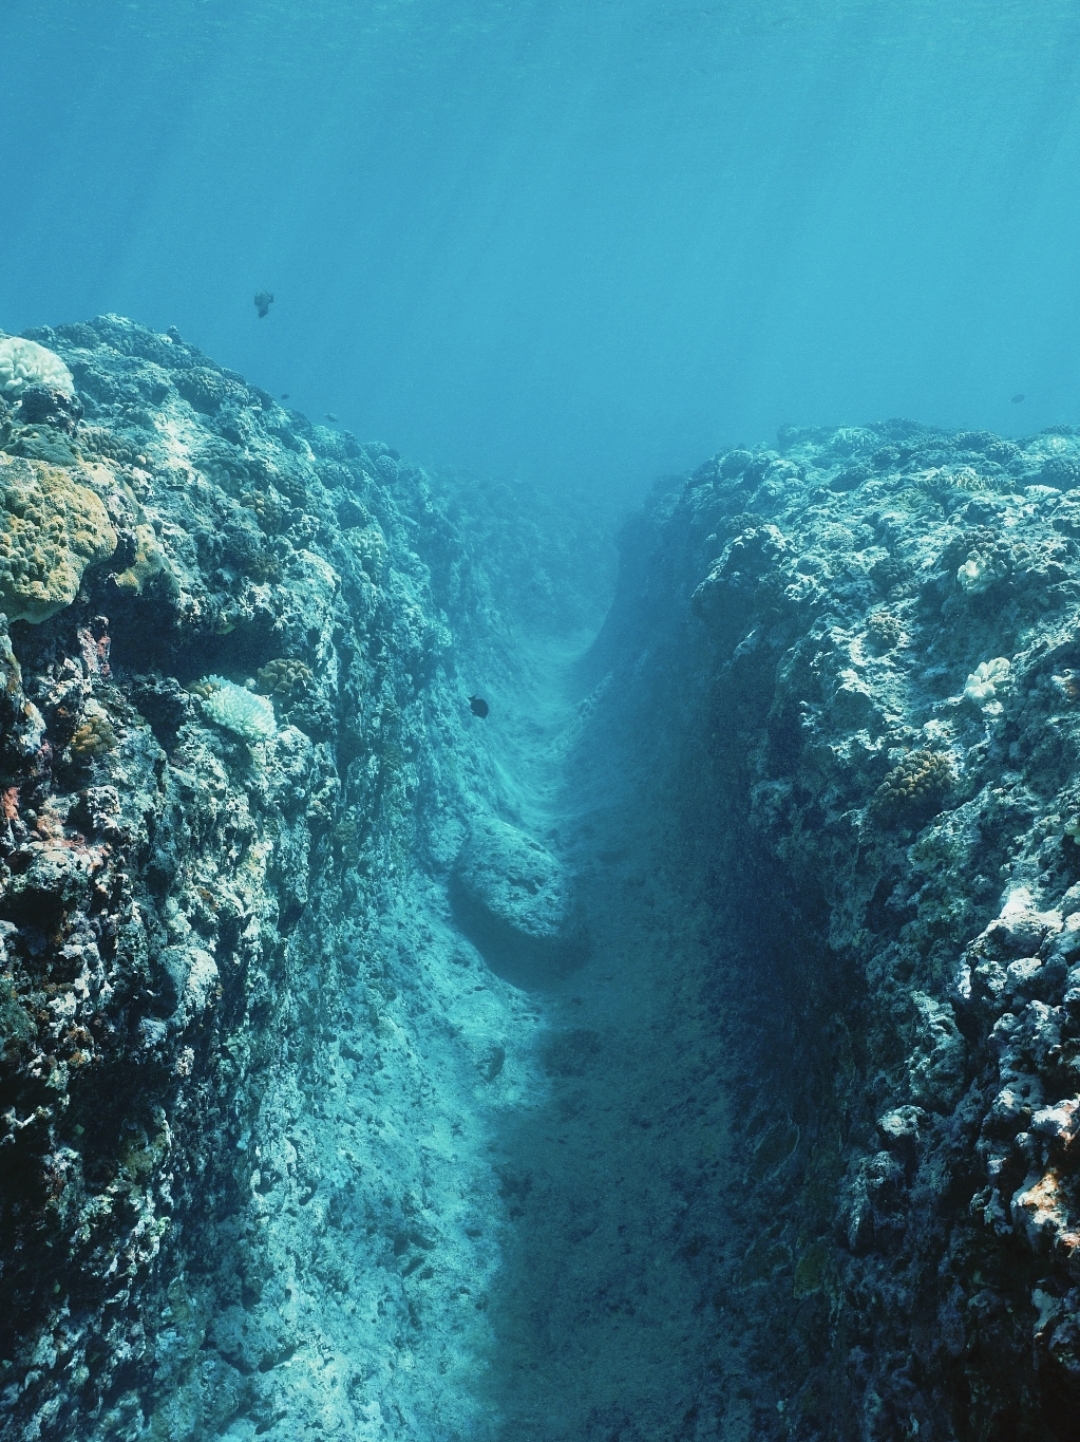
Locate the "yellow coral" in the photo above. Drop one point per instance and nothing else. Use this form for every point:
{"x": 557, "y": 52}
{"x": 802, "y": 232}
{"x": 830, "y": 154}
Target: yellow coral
{"x": 93, "y": 738}
{"x": 149, "y": 561}
{"x": 51, "y": 529}
{"x": 284, "y": 676}
{"x": 914, "y": 788}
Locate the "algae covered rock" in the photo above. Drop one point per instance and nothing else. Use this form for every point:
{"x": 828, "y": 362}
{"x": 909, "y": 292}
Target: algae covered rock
{"x": 515, "y": 901}
{"x": 216, "y": 962}
{"x": 883, "y": 800}
{"x": 52, "y": 528}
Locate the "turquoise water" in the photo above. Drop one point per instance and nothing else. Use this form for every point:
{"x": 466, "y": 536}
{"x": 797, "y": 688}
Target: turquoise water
{"x": 585, "y": 242}
{"x": 444, "y": 1166}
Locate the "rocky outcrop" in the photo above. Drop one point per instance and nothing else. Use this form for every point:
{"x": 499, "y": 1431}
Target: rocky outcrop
{"x": 236, "y": 766}
{"x": 516, "y": 902}
{"x": 864, "y": 648}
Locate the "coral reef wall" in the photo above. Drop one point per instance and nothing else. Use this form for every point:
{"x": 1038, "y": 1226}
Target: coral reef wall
{"x": 850, "y": 669}
{"x": 306, "y": 998}
{"x": 235, "y": 1014}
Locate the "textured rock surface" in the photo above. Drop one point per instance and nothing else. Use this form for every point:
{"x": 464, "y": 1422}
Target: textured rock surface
{"x": 872, "y": 637}
{"x": 318, "y": 1118}
{"x": 516, "y": 901}
{"x": 239, "y": 1194}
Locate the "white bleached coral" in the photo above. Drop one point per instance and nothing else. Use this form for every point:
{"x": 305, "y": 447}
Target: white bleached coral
{"x": 24, "y": 363}
{"x": 976, "y": 575}
{"x": 237, "y": 710}
{"x": 981, "y": 686}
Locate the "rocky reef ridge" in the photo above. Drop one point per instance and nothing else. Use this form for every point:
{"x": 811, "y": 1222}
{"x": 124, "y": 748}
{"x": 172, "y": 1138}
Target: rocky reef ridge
{"x": 865, "y": 646}
{"x": 237, "y": 762}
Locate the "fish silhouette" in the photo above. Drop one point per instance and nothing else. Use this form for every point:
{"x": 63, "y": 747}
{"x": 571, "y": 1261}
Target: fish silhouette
{"x": 263, "y": 301}
{"x": 478, "y": 706}
{"x": 1017, "y": 398}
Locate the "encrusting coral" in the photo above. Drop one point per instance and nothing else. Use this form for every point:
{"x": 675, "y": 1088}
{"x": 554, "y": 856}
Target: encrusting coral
{"x": 51, "y": 529}
{"x": 147, "y": 562}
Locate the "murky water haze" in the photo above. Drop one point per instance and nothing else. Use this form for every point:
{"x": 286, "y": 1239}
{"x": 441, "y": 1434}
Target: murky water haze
{"x": 581, "y": 242}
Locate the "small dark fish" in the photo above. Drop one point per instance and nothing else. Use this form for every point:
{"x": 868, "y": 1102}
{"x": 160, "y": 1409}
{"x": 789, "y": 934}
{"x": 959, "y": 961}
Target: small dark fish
{"x": 1017, "y": 398}
{"x": 478, "y": 706}
{"x": 263, "y": 301}
{"x": 284, "y": 395}
{"x": 331, "y": 417}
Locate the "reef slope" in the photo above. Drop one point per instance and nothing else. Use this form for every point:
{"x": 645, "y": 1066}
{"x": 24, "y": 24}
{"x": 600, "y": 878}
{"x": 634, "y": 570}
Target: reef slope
{"x": 849, "y": 670}
{"x": 251, "y": 1068}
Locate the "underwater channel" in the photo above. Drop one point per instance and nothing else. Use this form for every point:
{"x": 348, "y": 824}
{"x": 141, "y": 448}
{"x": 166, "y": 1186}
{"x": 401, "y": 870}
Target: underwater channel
{"x": 562, "y": 923}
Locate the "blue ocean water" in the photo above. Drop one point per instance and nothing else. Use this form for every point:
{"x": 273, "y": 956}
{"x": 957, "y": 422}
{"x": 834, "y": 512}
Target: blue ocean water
{"x": 583, "y": 242}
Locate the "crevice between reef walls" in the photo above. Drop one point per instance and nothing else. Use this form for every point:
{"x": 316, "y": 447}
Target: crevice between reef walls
{"x": 784, "y": 1012}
